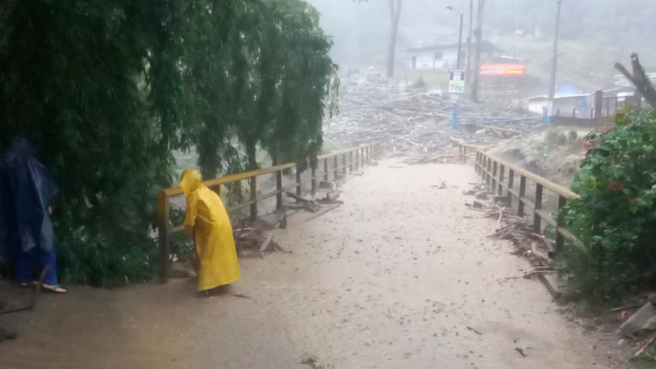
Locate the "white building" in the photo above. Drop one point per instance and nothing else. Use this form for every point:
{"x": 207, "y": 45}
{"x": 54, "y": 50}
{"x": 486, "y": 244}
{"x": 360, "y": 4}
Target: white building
{"x": 446, "y": 56}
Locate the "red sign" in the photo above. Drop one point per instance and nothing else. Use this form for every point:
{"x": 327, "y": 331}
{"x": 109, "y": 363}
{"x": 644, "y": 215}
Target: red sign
{"x": 503, "y": 69}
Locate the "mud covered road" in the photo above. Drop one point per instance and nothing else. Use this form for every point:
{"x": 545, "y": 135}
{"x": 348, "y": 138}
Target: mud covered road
{"x": 400, "y": 276}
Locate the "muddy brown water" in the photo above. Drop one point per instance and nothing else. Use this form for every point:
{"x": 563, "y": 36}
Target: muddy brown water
{"x": 391, "y": 279}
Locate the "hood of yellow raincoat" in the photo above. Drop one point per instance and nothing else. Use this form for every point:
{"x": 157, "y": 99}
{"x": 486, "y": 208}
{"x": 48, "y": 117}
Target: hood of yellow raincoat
{"x": 190, "y": 181}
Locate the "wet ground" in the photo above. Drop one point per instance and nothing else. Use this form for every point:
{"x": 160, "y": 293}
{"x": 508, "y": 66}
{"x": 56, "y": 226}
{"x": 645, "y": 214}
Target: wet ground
{"x": 400, "y": 276}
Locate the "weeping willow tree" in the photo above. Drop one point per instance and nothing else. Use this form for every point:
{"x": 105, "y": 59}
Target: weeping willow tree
{"x": 107, "y": 90}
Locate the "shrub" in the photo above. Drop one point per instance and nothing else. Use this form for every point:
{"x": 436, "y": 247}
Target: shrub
{"x": 615, "y": 217}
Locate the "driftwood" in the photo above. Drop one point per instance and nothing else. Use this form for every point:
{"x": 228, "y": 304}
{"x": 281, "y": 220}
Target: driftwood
{"x": 539, "y": 254}
{"x": 303, "y": 203}
{"x": 646, "y": 345}
{"x": 514, "y": 131}
{"x": 300, "y": 207}
{"x": 256, "y": 240}
{"x": 299, "y": 198}
{"x": 429, "y": 159}
{"x": 322, "y": 212}
{"x": 330, "y": 199}
{"x": 414, "y": 143}
{"x": 528, "y": 275}
{"x": 500, "y": 218}
{"x": 474, "y": 330}
{"x": 266, "y": 242}
{"x": 514, "y": 228}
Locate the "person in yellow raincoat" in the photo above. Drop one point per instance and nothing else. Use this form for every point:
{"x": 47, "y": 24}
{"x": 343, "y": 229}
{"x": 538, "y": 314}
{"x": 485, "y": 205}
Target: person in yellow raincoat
{"x": 208, "y": 222}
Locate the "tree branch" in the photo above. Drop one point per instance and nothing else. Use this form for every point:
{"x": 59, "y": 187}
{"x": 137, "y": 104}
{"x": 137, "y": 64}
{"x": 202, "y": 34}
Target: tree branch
{"x": 639, "y": 79}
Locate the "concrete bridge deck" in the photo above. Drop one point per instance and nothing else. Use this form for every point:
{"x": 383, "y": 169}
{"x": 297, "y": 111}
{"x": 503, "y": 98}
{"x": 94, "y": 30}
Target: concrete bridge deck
{"x": 400, "y": 276}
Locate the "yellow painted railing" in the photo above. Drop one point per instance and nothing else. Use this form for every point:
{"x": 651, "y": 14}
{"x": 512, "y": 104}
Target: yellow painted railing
{"x": 350, "y": 159}
{"x": 501, "y": 176}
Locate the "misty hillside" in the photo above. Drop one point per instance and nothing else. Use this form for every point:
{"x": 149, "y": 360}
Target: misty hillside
{"x": 594, "y": 33}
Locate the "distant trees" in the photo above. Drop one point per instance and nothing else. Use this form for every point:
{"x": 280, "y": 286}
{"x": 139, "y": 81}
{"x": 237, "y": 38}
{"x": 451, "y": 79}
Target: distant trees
{"x": 107, "y": 90}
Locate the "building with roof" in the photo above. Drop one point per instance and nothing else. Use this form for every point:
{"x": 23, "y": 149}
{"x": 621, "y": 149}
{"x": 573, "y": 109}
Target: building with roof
{"x": 446, "y": 56}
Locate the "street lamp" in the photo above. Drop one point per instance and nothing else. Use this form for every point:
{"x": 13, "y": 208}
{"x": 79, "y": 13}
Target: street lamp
{"x": 460, "y": 36}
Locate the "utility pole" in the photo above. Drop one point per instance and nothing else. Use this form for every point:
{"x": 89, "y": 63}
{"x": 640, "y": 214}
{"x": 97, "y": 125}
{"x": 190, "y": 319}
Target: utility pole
{"x": 469, "y": 39}
{"x": 554, "y": 61}
{"x": 459, "y": 44}
{"x": 477, "y": 57}
{"x": 458, "y": 58}
{"x": 395, "y": 14}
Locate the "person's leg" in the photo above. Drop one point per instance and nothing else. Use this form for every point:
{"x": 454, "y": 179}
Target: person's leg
{"x": 49, "y": 259}
{"x": 23, "y": 262}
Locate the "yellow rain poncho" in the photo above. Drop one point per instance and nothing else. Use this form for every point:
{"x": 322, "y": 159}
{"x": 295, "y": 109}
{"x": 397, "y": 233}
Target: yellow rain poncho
{"x": 215, "y": 244}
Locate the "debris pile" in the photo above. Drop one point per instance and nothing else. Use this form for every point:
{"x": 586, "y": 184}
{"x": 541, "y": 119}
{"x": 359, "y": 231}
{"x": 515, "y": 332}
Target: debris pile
{"x": 414, "y": 122}
{"x": 536, "y": 247}
{"x": 255, "y": 240}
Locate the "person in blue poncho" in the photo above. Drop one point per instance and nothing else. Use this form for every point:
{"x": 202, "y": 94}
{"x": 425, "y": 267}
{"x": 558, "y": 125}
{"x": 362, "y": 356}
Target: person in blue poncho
{"x": 26, "y": 231}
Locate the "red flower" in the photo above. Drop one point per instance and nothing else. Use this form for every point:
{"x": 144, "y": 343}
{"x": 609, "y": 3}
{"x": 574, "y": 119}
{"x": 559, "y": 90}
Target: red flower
{"x": 632, "y": 201}
{"x": 615, "y": 186}
{"x": 589, "y": 143}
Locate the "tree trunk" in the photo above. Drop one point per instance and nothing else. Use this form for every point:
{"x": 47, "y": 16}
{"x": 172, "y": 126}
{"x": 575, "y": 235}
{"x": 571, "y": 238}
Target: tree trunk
{"x": 477, "y": 56}
{"x": 395, "y": 14}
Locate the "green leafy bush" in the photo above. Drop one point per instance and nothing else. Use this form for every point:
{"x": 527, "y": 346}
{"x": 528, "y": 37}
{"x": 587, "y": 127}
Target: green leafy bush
{"x": 107, "y": 90}
{"x": 615, "y": 217}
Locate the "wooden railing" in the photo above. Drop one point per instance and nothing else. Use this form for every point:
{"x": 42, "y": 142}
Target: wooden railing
{"x": 351, "y": 159}
{"x": 502, "y": 176}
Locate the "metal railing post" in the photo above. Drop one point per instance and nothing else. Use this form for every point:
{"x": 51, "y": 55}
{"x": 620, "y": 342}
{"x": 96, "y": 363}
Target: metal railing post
{"x": 560, "y": 239}
{"x": 164, "y": 249}
{"x": 537, "y": 220}
{"x": 298, "y": 181}
{"x": 494, "y": 177}
{"x": 477, "y": 167}
{"x": 502, "y": 172}
{"x": 357, "y": 159}
{"x": 336, "y": 168}
{"x": 344, "y": 164}
{"x": 279, "y": 189}
{"x": 522, "y": 193}
{"x": 314, "y": 180}
{"x": 489, "y": 170}
{"x": 325, "y": 169}
{"x": 350, "y": 161}
{"x": 254, "y": 197}
{"x": 511, "y": 185}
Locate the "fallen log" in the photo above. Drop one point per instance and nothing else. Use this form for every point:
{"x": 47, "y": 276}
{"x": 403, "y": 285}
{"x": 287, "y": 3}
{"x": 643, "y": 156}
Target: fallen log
{"x": 298, "y": 198}
{"x": 300, "y": 207}
{"x": 322, "y": 212}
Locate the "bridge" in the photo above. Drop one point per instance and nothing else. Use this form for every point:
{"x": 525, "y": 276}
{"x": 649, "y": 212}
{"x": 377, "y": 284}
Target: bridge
{"x": 402, "y": 275}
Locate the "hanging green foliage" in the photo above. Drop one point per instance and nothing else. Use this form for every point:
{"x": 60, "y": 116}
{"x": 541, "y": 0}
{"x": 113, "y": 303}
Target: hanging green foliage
{"x": 107, "y": 90}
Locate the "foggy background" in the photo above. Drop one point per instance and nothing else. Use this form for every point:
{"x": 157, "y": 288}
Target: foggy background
{"x": 594, "y": 34}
